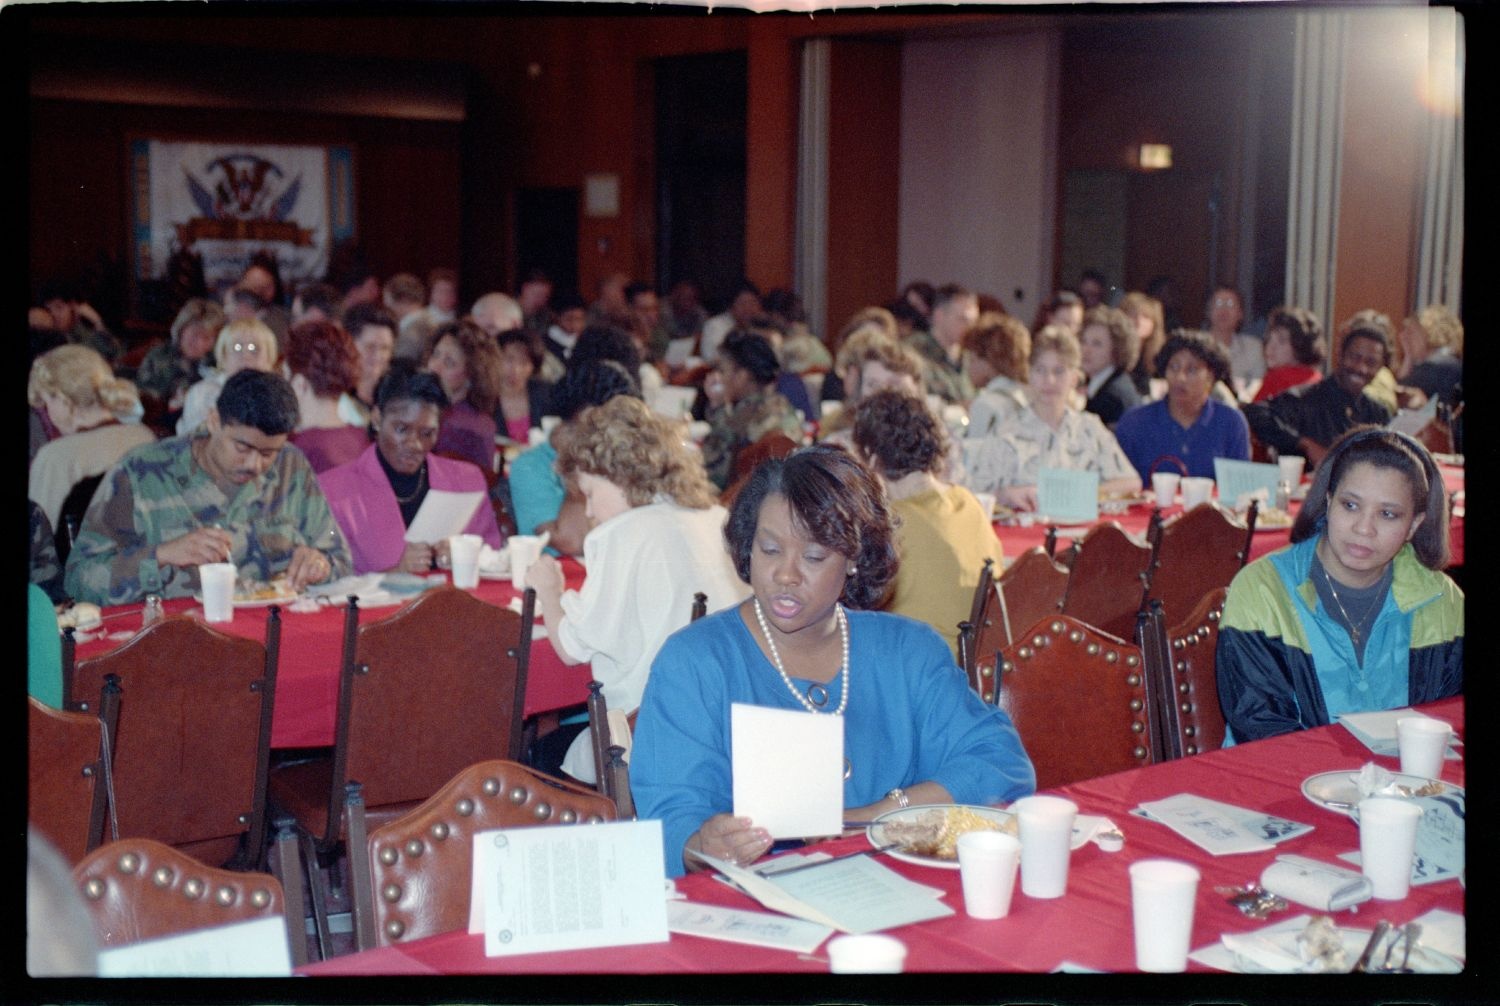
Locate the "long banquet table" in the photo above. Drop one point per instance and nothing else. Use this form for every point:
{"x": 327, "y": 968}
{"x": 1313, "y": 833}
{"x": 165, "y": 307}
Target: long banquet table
{"x": 1016, "y": 538}
{"x": 307, "y": 679}
{"x": 1090, "y": 927}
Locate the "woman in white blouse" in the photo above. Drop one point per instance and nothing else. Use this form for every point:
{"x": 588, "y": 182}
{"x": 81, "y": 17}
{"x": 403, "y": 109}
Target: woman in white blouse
{"x": 656, "y": 539}
{"x": 1050, "y": 432}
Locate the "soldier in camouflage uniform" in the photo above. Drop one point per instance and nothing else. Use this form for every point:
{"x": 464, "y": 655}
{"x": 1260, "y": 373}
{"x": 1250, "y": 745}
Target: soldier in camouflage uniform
{"x": 231, "y": 491}
{"x": 747, "y": 405}
{"x": 46, "y": 571}
{"x": 954, "y": 312}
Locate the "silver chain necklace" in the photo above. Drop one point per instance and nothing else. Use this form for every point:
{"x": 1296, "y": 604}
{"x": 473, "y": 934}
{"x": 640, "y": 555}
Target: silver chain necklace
{"x": 765, "y": 630}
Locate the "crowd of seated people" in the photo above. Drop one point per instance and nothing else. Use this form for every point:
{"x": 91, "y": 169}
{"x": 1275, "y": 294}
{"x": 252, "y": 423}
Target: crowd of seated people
{"x": 337, "y": 412}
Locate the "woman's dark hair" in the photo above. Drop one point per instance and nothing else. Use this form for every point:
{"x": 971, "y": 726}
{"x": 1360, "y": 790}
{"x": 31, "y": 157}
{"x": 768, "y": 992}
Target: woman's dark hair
{"x": 1202, "y": 345}
{"x": 481, "y": 360}
{"x": 591, "y": 382}
{"x": 1305, "y": 330}
{"x": 606, "y": 342}
{"x": 403, "y": 382}
{"x": 899, "y": 431}
{"x": 839, "y": 504}
{"x": 527, "y": 341}
{"x": 752, "y": 353}
{"x": 324, "y": 354}
{"x": 1382, "y": 448}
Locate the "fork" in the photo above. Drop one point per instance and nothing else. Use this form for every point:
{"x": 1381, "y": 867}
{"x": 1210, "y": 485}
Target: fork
{"x": 1409, "y": 934}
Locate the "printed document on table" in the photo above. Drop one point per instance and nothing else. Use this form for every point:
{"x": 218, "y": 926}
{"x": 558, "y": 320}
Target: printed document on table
{"x": 1377, "y": 730}
{"x": 788, "y": 769}
{"x": 568, "y": 887}
{"x": 1210, "y": 826}
{"x": 442, "y": 514}
{"x": 853, "y": 894}
{"x": 758, "y": 929}
{"x": 1064, "y": 494}
{"x": 255, "y": 949}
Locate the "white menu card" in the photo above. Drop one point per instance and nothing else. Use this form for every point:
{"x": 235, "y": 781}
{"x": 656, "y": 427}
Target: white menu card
{"x": 788, "y": 770}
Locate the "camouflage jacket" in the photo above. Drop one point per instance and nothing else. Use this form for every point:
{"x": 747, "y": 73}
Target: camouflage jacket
{"x": 157, "y": 493}
{"x": 942, "y": 376}
{"x": 749, "y": 419}
{"x": 46, "y": 571}
{"x": 165, "y": 371}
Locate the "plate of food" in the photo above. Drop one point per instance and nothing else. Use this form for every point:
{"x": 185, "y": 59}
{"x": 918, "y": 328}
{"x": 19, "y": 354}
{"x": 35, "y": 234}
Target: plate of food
{"x": 1272, "y": 519}
{"x": 927, "y": 834}
{"x": 260, "y": 594}
{"x": 1322, "y": 947}
{"x": 1340, "y": 790}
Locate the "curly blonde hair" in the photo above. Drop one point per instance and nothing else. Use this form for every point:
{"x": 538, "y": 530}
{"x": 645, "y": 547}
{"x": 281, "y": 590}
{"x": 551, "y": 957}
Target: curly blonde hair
{"x": 81, "y": 376}
{"x": 642, "y": 453}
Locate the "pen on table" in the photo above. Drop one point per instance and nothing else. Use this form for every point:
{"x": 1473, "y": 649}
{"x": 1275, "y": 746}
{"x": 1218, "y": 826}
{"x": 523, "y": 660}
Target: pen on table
{"x": 824, "y": 862}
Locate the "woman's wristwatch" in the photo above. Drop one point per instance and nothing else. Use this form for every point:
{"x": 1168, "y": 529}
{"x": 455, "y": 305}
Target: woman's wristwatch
{"x": 899, "y": 795}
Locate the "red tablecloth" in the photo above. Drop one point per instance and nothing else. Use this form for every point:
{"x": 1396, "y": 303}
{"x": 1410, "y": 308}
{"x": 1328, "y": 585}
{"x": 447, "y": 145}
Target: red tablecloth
{"x": 307, "y": 679}
{"x": 1090, "y": 926}
{"x": 1137, "y": 519}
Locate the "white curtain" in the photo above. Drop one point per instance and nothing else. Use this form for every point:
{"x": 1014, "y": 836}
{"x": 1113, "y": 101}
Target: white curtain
{"x": 1316, "y": 150}
{"x": 811, "y": 257}
{"x": 1441, "y": 237}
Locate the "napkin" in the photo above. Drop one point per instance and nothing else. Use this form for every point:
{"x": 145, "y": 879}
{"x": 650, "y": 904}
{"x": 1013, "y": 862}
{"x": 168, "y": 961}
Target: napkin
{"x": 494, "y": 561}
{"x": 1323, "y": 886}
{"x": 1443, "y": 931}
{"x": 1377, "y": 730}
{"x": 1272, "y": 947}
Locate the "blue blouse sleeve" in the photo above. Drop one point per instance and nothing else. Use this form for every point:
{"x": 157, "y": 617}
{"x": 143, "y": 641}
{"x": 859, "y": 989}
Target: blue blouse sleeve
{"x": 536, "y": 493}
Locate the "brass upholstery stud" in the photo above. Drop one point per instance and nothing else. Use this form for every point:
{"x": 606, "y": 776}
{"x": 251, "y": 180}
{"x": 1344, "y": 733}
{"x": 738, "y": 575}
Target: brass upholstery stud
{"x": 1139, "y": 752}
{"x": 193, "y": 888}
{"x": 1039, "y": 641}
{"x": 439, "y": 830}
{"x": 518, "y": 794}
{"x": 129, "y": 862}
{"x": 414, "y": 847}
{"x": 391, "y": 893}
{"x": 93, "y": 888}
{"x": 1177, "y": 644}
{"x": 1132, "y": 680}
{"x": 1183, "y": 687}
{"x": 1135, "y": 705}
{"x": 389, "y": 855}
{"x": 1007, "y": 666}
{"x": 569, "y": 816}
{"x": 1191, "y": 731}
{"x": 161, "y": 876}
{"x": 225, "y": 896}
{"x": 491, "y": 787}
{"x": 1111, "y": 657}
{"x": 1075, "y": 636}
{"x": 1182, "y": 665}
{"x": 1187, "y": 707}
{"x": 1132, "y": 660}
{"x": 1213, "y": 616}
{"x": 542, "y": 811}
{"x": 1024, "y": 653}
{"x": 595, "y": 819}
{"x": 1057, "y": 626}
{"x": 1192, "y": 749}
{"x": 260, "y": 897}
{"x": 986, "y": 671}
{"x": 1136, "y": 727}
{"x": 1093, "y": 649}
{"x": 394, "y": 928}
{"x": 465, "y": 807}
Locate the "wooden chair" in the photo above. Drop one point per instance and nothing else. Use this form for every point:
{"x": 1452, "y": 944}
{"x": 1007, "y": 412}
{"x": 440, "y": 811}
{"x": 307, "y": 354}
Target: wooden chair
{"x": 1030, "y": 589}
{"x": 422, "y": 692}
{"x": 1180, "y": 661}
{"x": 139, "y": 889}
{"x": 774, "y": 444}
{"x": 1106, "y": 578}
{"x": 1194, "y": 554}
{"x": 1079, "y": 699}
{"x": 419, "y": 864}
{"x": 66, "y": 793}
{"x": 193, "y": 747}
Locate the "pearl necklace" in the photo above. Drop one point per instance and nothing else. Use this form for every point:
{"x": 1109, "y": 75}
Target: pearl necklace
{"x": 765, "y": 630}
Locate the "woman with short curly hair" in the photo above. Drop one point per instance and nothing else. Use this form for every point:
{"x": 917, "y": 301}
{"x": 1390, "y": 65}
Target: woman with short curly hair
{"x": 323, "y": 364}
{"x": 812, "y": 534}
{"x": 942, "y": 531}
{"x": 654, "y": 541}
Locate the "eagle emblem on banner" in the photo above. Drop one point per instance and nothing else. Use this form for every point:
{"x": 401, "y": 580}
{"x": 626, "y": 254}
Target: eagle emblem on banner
{"x": 243, "y": 197}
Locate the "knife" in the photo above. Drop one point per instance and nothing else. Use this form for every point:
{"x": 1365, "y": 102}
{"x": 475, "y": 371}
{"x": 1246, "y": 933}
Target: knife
{"x": 1381, "y": 928}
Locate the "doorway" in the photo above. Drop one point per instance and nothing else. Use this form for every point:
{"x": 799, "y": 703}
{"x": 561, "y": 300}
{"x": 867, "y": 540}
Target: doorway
{"x": 547, "y": 237}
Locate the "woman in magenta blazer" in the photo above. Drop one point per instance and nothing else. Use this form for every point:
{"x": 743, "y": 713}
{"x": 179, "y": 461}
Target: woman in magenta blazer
{"x": 375, "y": 497}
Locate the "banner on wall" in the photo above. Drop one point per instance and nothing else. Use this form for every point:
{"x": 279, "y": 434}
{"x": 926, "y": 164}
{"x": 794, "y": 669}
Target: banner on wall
{"x": 227, "y": 202}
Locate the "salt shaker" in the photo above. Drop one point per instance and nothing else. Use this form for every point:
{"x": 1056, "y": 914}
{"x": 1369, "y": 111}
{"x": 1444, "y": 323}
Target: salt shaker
{"x": 1283, "y": 496}
{"x": 152, "y": 611}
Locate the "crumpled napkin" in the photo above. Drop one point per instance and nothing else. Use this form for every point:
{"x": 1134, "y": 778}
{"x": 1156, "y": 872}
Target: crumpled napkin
{"x": 494, "y": 561}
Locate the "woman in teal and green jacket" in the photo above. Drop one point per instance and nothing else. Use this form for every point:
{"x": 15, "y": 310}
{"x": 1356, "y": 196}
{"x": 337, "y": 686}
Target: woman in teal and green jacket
{"x": 1356, "y": 614}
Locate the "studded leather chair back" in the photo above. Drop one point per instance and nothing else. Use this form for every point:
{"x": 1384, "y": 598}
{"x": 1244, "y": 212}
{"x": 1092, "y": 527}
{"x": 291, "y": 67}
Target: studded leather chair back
{"x": 65, "y": 798}
{"x": 192, "y": 750}
{"x": 138, "y": 889}
{"x": 417, "y": 883}
{"x": 1030, "y": 589}
{"x": 1194, "y": 554}
{"x": 1079, "y": 700}
{"x": 1106, "y": 579}
{"x": 1192, "y": 719}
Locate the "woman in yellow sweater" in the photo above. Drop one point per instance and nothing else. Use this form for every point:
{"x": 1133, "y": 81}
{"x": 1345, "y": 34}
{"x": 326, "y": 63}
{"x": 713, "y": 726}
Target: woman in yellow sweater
{"x": 944, "y": 536}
